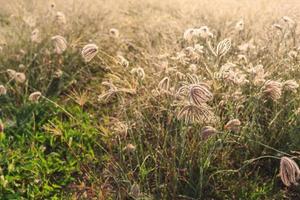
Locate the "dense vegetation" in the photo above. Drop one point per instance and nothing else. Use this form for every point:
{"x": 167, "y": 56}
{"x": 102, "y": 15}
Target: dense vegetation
{"x": 149, "y": 99}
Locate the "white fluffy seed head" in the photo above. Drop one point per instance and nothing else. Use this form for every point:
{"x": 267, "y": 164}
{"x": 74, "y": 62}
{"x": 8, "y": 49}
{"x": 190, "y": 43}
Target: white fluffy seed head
{"x": 277, "y": 26}
{"x": 192, "y": 113}
{"x": 193, "y": 68}
{"x": 290, "y": 85}
{"x": 272, "y": 89}
{"x": 22, "y": 67}
{"x": 2, "y": 90}
{"x": 289, "y": 171}
{"x": 233, "y": 125}
{"x": 200, "y": 93}
{"x": 240, "y": 25}
{"x": 35, "y": 36}
{"x": 139, "y": 72}
{"x": 60, "y": 44}
{"x": 259, "y": 74}
{"x": 293, "y": 54}
{"x": 188, "y": 34}
{"x": 11, "y": 73}
{"x": 164, "y": 84}
{"x": 34, "y": 97}
{"x": 129, "y": 148}
{"x": 203, "y": 32}
{"x": 207, "y": 131}
{"x": 114, "y": 33}
{"x": 197, "y": 93}
{"x": 223, "y": 47}
{"x": 198, "y": 48}
{"x": 89, "y": 51}
{"x": 20, "y": 77}
{"x": 291, "y": 23}
{"x": 179, "y": 75}
{"x": 242, "y": 58}
{"x": 60, "y": 18}
{"x": 58, "y": 73}
{"x": 123, "y": 61}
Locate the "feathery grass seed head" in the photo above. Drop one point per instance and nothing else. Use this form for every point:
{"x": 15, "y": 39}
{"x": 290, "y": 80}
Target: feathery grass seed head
{"x": 114, "y": 33}
{"x": 233, "y": 125}
{"x": 34, "y": 97}
{"x": 89, "y": 51}
{"x": 2, "y": 90}
{"x": 192, "y": 113}
{"x": 289, "y": 171}
{"x": 60, "y": 18}
{"x": 291, "y": 23}
{"x": 11, "y": 73}
{"x": 138, "y": 72}
{"x": 240, "y": 25}
{"x": 20, "y": 77}
{"x": 203, "y": 32}
{"x": 197, "y": 93}
{"x": 123, "y": 61}
{"x": 272, "y": 89}
{"x": 223, "y": 47}
{"x": 208, "y": 131}
{"x": 129, "y": 148}
{"x": 60, "y": 44}
{"x": 164, "y": 84}
{"x": 35, "y": 36}
{"x": 290, "y": 85}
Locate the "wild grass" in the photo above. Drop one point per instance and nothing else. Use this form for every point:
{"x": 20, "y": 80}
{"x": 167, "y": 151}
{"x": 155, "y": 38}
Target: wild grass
{"x": 149, "y": 99}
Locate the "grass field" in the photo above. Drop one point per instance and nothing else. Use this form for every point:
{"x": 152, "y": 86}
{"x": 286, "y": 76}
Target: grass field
{"x": 148, "y": 99}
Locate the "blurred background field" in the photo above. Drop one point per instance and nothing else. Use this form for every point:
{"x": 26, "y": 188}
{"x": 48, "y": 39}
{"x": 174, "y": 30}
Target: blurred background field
{"x": 148, "y": 99}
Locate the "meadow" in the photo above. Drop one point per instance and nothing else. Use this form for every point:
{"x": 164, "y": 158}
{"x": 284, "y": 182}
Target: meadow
{"x": 149, "y": 99}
